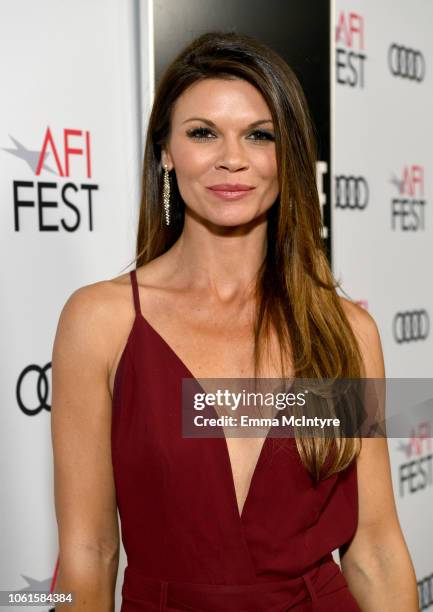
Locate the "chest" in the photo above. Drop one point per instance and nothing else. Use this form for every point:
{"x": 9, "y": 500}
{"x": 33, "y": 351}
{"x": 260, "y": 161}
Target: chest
{"x": 215, "y": 351}
{"x": 220, "y": 347}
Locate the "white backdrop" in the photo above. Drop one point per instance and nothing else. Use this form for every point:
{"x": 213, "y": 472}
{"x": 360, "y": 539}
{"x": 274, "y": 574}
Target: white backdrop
{"x": 65, "y": 66}
{"x": 383, "y": 167}
{"x": 87, "y": 67}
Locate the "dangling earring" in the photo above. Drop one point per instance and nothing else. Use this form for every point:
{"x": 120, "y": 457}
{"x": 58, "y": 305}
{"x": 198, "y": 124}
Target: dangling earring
{"x": 166, "y": 195}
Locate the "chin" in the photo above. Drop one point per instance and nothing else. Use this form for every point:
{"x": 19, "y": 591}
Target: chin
{"x": 229, "y": 215}
{"x": 232, "y": 218}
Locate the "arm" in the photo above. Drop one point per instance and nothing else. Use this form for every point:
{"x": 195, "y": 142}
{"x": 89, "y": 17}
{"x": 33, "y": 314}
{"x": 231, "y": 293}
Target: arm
{"x": 376, "y": 564}
{"x": 84, "y": 492}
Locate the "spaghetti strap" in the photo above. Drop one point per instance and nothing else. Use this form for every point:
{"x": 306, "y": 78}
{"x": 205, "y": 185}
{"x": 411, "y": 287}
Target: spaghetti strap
{"x": 135, "y": 294}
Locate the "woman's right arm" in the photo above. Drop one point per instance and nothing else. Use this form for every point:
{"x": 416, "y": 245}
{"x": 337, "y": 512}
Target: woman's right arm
{"x": 85, "y": 499}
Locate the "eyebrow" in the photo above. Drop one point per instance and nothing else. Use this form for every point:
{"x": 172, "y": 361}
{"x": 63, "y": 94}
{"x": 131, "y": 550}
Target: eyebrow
{"x": 212, "y": 124}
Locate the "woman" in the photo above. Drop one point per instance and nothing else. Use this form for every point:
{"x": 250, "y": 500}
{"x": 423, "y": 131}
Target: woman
{"x": 231, "y": 281}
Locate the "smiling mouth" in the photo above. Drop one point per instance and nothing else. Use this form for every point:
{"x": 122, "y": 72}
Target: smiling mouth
{"x": 231, "y": 194}
{"x": 231, "y": 187}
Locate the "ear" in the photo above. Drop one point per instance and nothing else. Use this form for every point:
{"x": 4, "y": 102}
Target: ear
{"x": 166, "y": 159}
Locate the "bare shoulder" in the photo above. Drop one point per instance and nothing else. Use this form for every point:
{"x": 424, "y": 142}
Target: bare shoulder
{"x": 94, "y": 306}
{"x": 98, "y": 298}
{"x": 360, "y": 319}
{"x": 367, "y": 333}
{"x": 95, "y": 319}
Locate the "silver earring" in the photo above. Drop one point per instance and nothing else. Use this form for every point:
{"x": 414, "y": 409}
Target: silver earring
{"x": 166, "y": 195}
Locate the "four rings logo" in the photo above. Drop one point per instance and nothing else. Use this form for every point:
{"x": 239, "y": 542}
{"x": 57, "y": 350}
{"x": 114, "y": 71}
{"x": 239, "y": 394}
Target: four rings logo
{"x": 425, "y": 592}
{"x": 410, "y": 326}
{"x": 351, "y": 192}
{"x": 42, "y": 389}
{"x": 406, "y": 63}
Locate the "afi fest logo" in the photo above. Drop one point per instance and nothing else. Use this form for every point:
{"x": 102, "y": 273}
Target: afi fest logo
{"x": 55, "y": 205}
{"x": 416, "y": 474}
{"x": 408, "y": 209}
{"x": 350, "y": 51}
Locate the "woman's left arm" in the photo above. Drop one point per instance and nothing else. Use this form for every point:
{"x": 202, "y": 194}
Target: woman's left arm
{"x": 376, "y": 564}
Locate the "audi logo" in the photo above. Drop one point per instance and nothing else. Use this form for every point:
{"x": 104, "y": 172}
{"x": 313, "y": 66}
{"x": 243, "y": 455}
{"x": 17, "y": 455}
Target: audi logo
{"x": 42, "y": 389}
{"x": 406, "y": 63}
{"x": 410, "y": 326}
{"x": 351, "y": 192}
{"x": 425, "y": 592}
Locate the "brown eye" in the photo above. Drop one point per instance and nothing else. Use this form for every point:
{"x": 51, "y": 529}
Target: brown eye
{"x": 200, "y": 133}
{"x": 262, "y": 135}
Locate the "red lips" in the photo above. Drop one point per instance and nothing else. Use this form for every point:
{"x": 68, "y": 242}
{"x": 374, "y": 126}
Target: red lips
{"x": 230, "y": 187}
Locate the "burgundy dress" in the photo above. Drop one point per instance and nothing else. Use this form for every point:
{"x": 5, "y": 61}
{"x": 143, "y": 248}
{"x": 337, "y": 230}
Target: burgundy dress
{"x": 187, "y": 546}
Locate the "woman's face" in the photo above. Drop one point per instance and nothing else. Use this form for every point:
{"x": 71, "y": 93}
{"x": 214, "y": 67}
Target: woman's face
{"x": 222, "y": 134}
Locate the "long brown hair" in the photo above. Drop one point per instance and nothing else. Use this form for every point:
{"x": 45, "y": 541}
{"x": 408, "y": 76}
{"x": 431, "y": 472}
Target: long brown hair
{"x": 295, "y": 287}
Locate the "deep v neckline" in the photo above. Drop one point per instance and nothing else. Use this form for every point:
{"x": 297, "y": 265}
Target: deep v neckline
{"x": 225, "y": 450}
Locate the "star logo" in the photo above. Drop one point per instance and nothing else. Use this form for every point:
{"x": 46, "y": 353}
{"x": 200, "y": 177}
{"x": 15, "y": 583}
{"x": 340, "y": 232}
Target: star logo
{"x": 30, "y": 156}
{"x": 35, "y": 585}
{"x": 399, "y": 184}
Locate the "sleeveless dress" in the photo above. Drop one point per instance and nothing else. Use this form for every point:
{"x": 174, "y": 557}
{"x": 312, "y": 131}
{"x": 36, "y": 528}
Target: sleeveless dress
{"x": 187, "y": 546}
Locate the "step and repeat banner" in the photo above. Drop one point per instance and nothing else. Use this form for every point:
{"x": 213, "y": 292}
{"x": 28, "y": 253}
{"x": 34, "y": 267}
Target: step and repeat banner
{"x": 382, "y": 218}
{"x": 70, "y": 166}
{"x": 77, "y": 88}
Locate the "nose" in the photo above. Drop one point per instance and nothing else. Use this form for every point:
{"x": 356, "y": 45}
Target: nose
{"x": 232, "y": 156}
